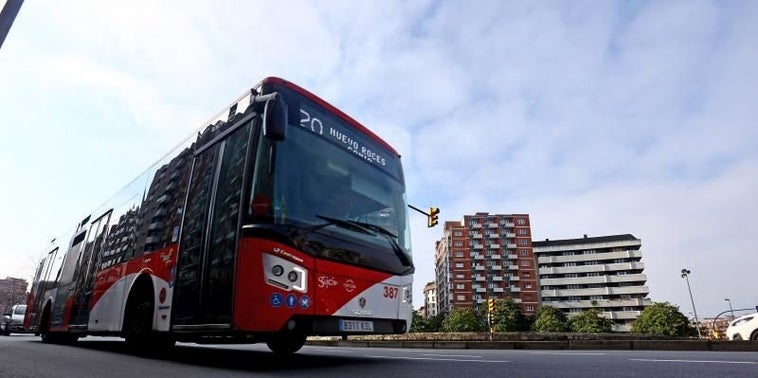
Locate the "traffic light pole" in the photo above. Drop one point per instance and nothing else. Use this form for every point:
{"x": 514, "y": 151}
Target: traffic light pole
{"x": 431, "y": 216}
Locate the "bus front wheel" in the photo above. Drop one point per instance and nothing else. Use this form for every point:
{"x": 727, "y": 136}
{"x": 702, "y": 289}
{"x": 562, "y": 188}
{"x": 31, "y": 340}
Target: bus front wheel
{"x": 286, "y": 343}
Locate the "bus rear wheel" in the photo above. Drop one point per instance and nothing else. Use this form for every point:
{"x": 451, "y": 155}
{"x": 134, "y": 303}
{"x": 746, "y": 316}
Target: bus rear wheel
{"x": 287, "y": 343}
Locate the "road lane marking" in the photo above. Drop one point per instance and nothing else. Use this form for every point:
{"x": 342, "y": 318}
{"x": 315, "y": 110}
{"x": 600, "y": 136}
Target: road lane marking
{"x": 449, "y": 355}
{"x": 695, "y": 361}
{"x": 572, "y": 353}
{"x": 438, "y": 359}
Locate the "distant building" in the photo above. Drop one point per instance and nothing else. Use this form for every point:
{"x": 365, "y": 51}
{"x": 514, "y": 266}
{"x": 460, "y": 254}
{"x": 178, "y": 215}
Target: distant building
{"x": 430, "y": 300}
{"x": 12, "y": 291}
{"x": 486, "y": 256}
{"x": 605, "y": 273}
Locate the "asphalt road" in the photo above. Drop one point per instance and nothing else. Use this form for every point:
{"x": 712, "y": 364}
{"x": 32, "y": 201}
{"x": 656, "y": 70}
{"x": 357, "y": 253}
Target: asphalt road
{"x": 26, "y": 356}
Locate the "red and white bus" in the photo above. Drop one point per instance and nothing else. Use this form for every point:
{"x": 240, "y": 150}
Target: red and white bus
{"x": 281, "y": 218}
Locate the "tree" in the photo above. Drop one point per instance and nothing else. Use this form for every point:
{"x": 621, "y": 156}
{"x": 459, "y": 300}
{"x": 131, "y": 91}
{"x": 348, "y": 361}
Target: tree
{"x": 590, "y": 321}
{"x": 550, "y": 319}
{"x": 664, "y": 319}
{"x": 462, "y": 320}
{"x": 431, "y": 324}
{"x": 507, "y": 316}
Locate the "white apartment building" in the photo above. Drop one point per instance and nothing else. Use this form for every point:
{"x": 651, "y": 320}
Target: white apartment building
{"x": 603, "y": 272}
{"x": 430, "y": 300}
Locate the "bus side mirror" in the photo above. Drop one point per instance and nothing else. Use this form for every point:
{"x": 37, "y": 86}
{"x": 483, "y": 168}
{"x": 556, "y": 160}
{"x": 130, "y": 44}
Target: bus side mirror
{"x": 275, "y": 119}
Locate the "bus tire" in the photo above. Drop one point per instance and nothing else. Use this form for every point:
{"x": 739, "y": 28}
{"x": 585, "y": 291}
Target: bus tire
{"x": 286, "y": 343}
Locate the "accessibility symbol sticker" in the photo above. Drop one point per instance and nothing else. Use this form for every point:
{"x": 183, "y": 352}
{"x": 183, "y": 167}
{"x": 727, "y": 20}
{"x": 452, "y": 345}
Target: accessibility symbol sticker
{"x": 305, "y": 302}
{"x": 291, "y": 301}
{"x": 276, "y": 300}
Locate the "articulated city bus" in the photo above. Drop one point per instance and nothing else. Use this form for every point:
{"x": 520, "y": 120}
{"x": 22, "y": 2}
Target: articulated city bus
{"x": 279, "y": 219}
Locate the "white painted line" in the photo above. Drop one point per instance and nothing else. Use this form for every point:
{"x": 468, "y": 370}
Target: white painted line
{"x": 438, "y": 359}
{"x": 449, "y": 355}
{"x": 695, "y": 361}
{"x": 572, "y": 353}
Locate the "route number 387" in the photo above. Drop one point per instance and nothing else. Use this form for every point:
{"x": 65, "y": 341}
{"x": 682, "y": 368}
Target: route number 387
{"x": 390, "y": 292}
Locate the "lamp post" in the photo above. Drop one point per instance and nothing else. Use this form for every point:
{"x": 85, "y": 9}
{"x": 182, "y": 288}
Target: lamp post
{"x": 685, "y": 275}
{"x": 730, "y": 306}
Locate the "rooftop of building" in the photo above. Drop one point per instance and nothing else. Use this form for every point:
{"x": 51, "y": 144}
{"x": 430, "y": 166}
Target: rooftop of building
{"x": 584, "y": 240}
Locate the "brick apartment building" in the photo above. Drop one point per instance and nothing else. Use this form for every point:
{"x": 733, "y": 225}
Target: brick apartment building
{"x": 486, "y": 256}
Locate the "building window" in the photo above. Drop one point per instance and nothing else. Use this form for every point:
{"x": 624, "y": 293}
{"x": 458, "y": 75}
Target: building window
{"x": 524, "y": 263}
{"x": 527, "y": 286}
{"x": 529, "y": 308}
{"x": 459, "y": 265}
{"x": 523, "y": 242}
{"x": 459, "y": 254}
{"x": 458, "y": 243}
{"x": 522, "y": 231}
{"x": 457, "y": 233}
{"x": 460, "y": 298}
{"x": 521, "y": 221}
{"x": 459, "y": 276}
{"x": 523, "y": 252}
{"x": 460, "y": 286}
{"x": 491, "y": 285}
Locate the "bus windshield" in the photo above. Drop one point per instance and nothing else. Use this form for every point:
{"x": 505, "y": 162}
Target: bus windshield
{"x": 326, "y": 176}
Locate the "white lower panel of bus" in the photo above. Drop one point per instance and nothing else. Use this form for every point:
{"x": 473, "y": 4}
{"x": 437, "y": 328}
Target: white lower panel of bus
{"x": 382, "y": 300}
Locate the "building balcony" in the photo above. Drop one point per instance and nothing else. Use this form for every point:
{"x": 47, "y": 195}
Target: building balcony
{"x": 592, "y": 268}
{"x": 493, "y": 225}
{"x": 602, "y": 291}
{"x": 498, "y": 289}
{"x": 481, "y": 290}
{"x": 497, "y": 267}
{"x": 512, "y": 267}
{"x": 511, "y": 246}
{"x": 510, "y": 224}
{"x": 478, "y": 246}
{"x": 476, "y": 226}
{"x": 514, "y": 278}
{"x": 600, "y": 256}
{"x": 514, "y": 289}
{"x": 478, "y": 257}
{"x": 510, "y": 235}
{"x": 640, "y": 278}
{"x": 155, "y": 226}
{"x": 479, "y": 268}
{"x": 480, "y": 278}
{"x": 494, "y": 246}
{"x": 477, "y": 236}
{"x": 494, "y": 236}
{"x": 512, "y": 256}
{"x": 496, "y": 257}
{"x": 497, "y": 278}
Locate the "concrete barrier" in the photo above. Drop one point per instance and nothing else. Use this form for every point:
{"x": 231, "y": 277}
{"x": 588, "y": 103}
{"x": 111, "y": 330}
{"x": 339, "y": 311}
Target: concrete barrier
{"x": 536, "y": 341}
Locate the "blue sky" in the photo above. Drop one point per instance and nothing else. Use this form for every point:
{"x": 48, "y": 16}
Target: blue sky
{"x": 595, "y": 118}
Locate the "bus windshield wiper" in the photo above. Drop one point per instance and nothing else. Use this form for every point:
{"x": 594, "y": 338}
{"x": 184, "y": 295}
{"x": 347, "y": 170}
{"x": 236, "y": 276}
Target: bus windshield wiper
{"x": 344, "y": 224}
{"x": 367, "y": 228}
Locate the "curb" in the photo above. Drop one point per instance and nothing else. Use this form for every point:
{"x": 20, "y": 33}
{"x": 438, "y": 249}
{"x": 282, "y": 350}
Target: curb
{"x": 670, "y": 345}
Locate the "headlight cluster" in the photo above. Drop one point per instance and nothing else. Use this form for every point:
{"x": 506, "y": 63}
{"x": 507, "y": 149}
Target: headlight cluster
{"x": 284, "y": 274}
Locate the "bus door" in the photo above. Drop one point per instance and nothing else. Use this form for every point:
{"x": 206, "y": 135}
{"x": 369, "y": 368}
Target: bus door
{"x": 85, "y": 275}
{"x": 63, "y": 295}
{"x": 208, "y": 245}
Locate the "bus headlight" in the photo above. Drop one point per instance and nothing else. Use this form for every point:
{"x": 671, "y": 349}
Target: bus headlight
{"x": 273, "y": 272}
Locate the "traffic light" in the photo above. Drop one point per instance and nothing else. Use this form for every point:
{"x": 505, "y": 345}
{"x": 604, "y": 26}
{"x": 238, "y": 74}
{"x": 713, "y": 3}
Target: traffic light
{"x": 433, "y": 218}
{"x": 491, "y": 304}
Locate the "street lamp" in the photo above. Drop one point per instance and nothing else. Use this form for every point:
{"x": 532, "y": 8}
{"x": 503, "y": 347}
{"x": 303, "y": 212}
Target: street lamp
{"x": 685, "y": 275}
{"x": 730, "y": 306}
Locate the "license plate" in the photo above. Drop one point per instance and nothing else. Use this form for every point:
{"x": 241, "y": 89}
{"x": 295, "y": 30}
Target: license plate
{"x": 356, "y": 326}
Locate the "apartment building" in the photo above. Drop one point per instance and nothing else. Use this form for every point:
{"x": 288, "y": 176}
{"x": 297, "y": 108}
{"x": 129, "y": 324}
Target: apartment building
{"x": 486, "y": 256}
{"x": 603, "y": 272}
{"x": 430, "y": 300}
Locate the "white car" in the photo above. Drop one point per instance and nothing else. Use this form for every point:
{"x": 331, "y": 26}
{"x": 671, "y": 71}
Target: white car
{"x": 743, "y": 328}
